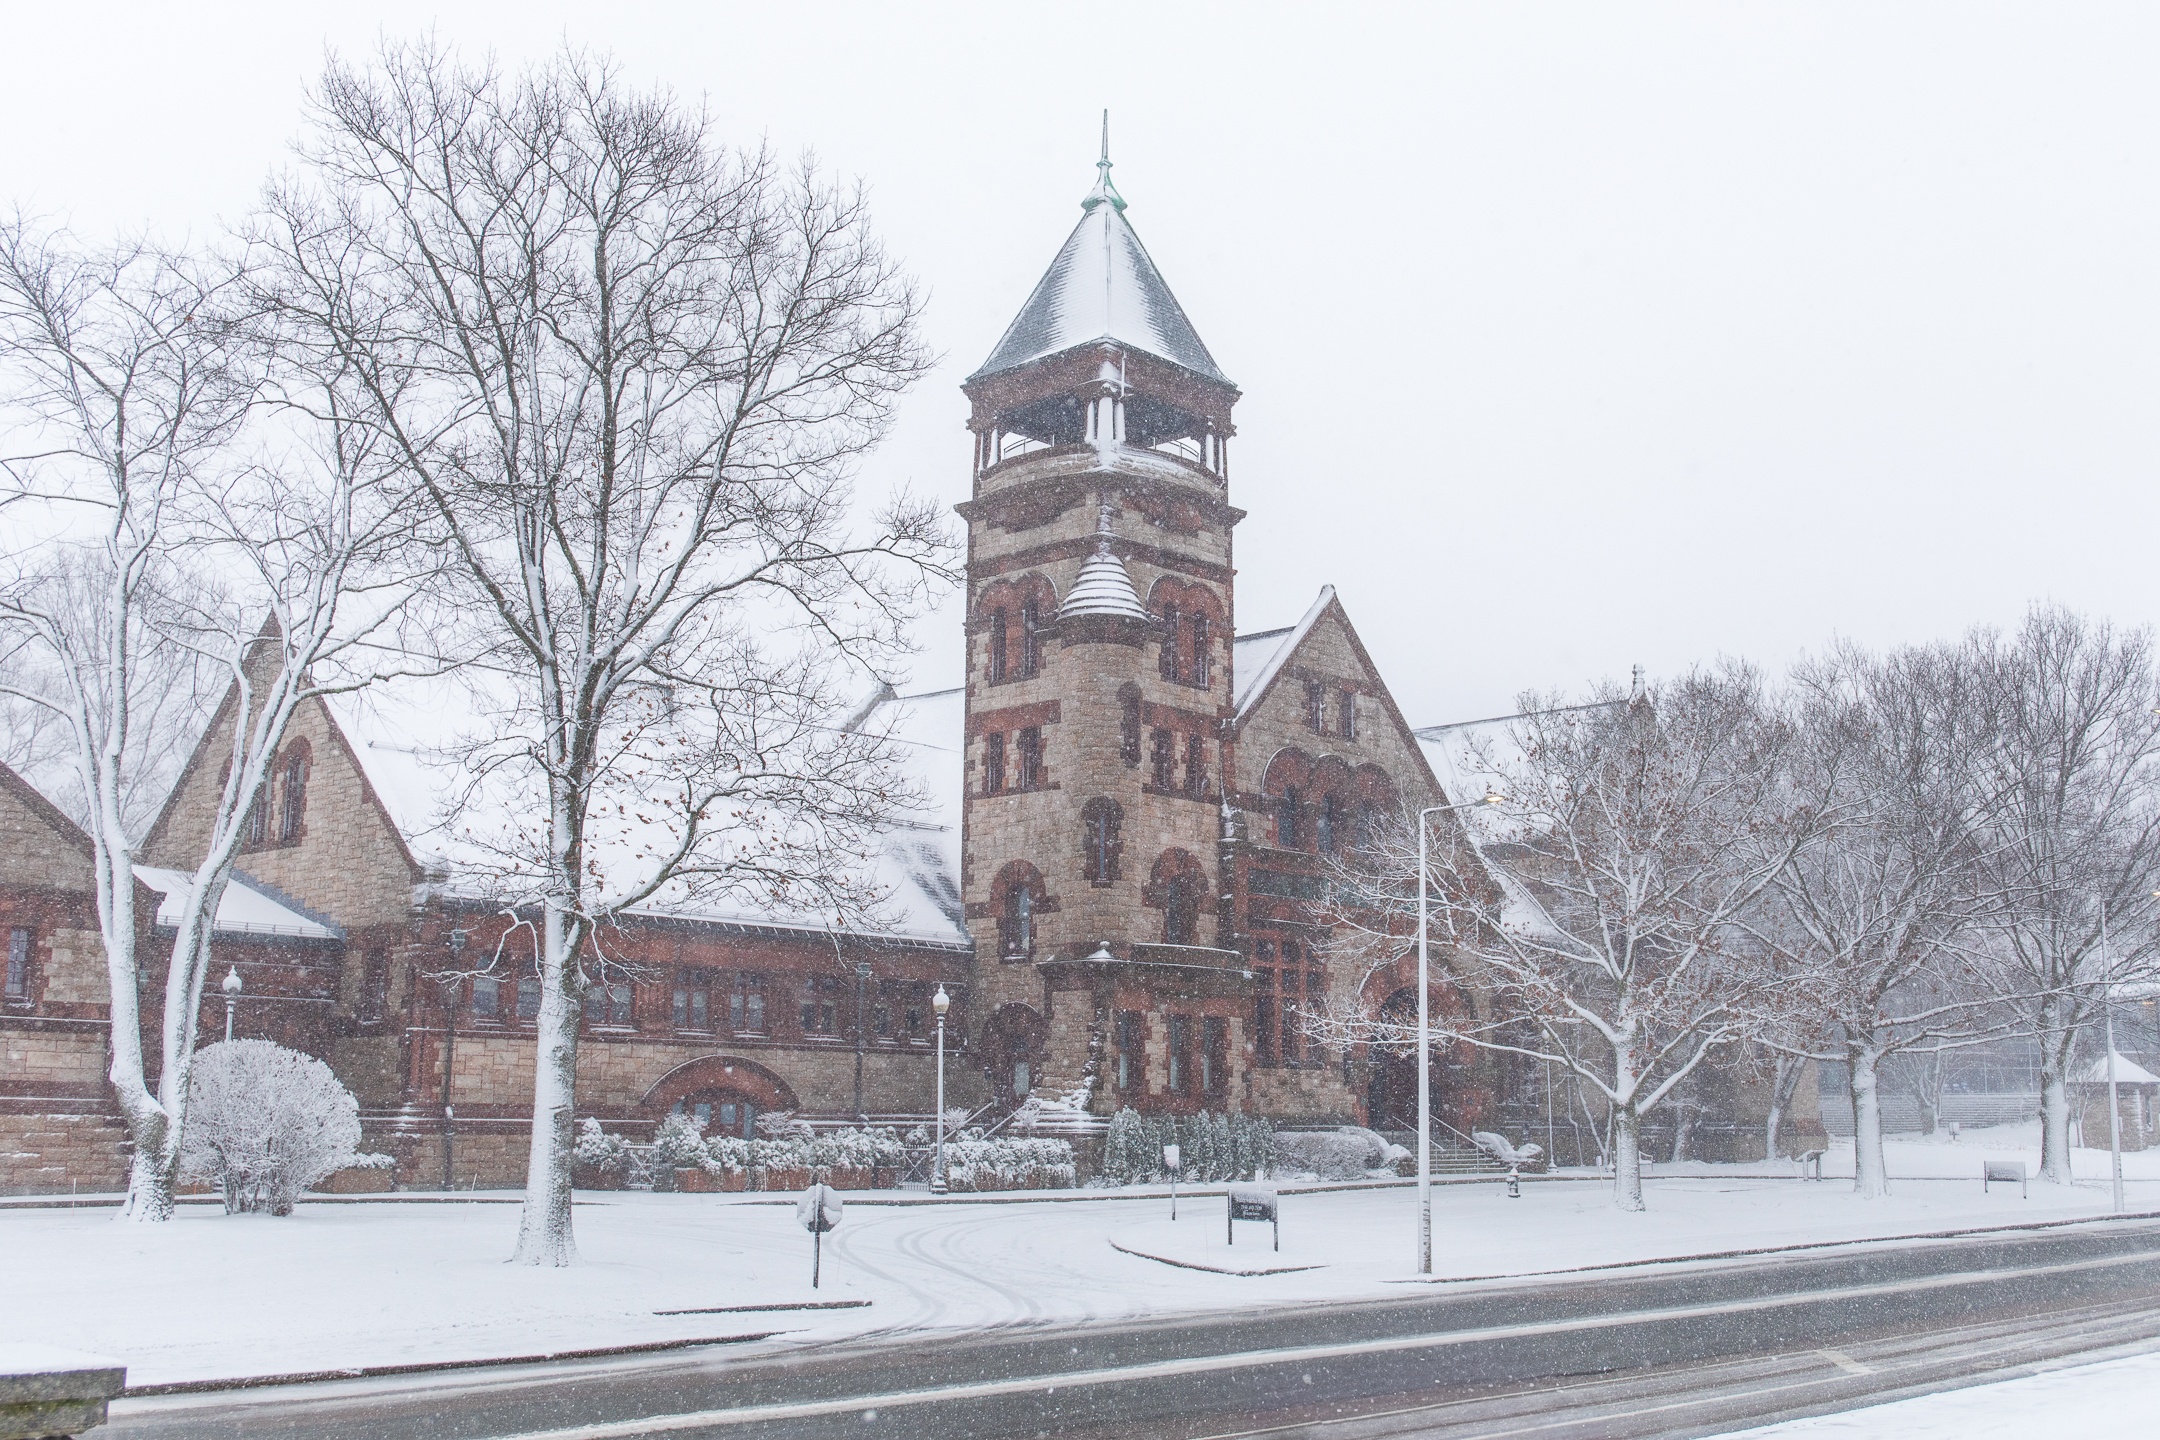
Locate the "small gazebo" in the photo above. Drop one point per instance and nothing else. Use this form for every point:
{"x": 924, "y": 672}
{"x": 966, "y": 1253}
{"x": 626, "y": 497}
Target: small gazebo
{"x": 2137, "y": 1092}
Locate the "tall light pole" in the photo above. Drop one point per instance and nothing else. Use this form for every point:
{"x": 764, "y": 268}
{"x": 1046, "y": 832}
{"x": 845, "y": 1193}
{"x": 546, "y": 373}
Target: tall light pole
{"x": 940, "y": 1002}
{"x": 1424, "y": 1041}
{"x": 452, "y": 984}
{"x": 232, "y": 988}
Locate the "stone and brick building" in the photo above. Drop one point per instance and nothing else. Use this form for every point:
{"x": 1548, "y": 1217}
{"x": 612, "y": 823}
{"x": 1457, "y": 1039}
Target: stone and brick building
{"x": 1134, "y": 811}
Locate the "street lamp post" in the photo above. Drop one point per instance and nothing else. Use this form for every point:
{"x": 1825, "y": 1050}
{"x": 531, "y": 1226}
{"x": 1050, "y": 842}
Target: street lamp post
{"x": 940, "y": 1002}
{"x": 232, "y": 988}
{"x": 862, "y": 1025}
{"x": 1424, "y": 1040}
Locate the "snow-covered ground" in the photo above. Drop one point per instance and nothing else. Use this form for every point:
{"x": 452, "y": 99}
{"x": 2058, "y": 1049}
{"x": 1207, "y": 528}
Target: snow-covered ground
{"x": 2113, "y": 1398}
{"x": 375, "y": 1284}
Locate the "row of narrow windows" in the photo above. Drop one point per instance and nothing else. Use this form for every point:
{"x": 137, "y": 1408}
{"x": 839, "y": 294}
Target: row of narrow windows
{"x": 279, "y": 814}
{"x": 1330, "y": 827}
{"x": 1186, "y": 655}
{"x": 1176, "y": 765}
{"x": 1197, "y": 1056}
{"x": 1181, "y": 895}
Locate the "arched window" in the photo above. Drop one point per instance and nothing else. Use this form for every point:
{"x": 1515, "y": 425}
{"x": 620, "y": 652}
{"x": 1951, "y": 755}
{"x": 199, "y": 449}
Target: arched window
{"x": 997, "y": 646}
{"x": 1179, "y": 886}
{"x": 1167, "y": 660}
{"x": 1100, "y": 821}
{"x": 1199, "y": 671}
{"x": 1195, "y": 766}
{"x": 292, "y": 794}
{"x": 1288, "y": 812}
{"x": 1016, "y": 927}
{"x": 1181, "y": 910}
{"x": 1030, "y": 637}
{"x": 1328, "y": 825}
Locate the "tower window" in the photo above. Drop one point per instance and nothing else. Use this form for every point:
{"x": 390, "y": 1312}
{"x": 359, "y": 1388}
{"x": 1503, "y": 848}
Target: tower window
{"x": 1163, "y": 759}
{"x": 1029, "y": 768}
{"x": 1030, "y": 639}
{"x": 1214, "y": 1054}
{"x": 1100, "y": 823}
{"x": 374, "y": 985}
{"x": 993, "y": 764}
{"x": 1316, "y": 707}
{"x": 1129, "y": 724}
{"x": 1016, "y": 927}
{"x": 997, "y": 646}
{"x": 1201, "y": 669}
{"x": 1168, "y": 659}
{"x": 1346, "y": 714}
{"x": 1195, "y": 765}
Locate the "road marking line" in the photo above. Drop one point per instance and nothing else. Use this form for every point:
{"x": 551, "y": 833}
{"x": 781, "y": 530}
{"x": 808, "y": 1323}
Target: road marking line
{"x": 1845, "y": 1362}
{"x": 1202, "y": 1364}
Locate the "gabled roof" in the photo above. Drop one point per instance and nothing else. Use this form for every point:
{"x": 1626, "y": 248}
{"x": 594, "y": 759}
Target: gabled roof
{"x": 1256, "y": 659}
{"x": 1102, "y": 286}
{"x": 2127, "y": 1072}
{"x": 33, "y": 800}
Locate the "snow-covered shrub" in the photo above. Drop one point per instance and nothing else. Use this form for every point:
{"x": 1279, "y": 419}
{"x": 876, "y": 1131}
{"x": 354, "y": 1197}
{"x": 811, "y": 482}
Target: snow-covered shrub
{"x": 781, "y": 1125}
{"x": 599, "y": 1152}
{"x": 857, "y": 1149}
{"x": 1324, "y": 1154}
{"x": 727, "y": 1154}
{"x": 1211, "y": 1148}
{"x": 1008, "y": 1164}
{"x": 678, "y": 1144}
{"x": 265, "y": 1122}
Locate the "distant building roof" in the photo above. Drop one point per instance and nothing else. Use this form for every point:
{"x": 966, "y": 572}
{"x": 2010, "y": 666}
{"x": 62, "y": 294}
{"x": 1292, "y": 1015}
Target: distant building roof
{"x": 1102, "y": 286}
{"x": 2127, "y": 1072}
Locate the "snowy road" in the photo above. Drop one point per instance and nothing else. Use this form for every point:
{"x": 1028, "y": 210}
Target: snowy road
{"x": 1692, "y": 1349}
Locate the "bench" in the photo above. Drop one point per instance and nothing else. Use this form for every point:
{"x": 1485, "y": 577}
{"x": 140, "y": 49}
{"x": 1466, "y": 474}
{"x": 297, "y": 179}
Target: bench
{"x": 2004, "y": 1171}
{"x": 46, "y": 1391}
{"x": 1810, "y": 1164}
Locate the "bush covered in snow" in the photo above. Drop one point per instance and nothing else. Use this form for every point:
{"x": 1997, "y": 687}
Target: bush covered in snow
{"x": 265, "y": 1122}
{"x": 798, "y": 1148}
{"x": 604, "y": 1155}
{"x": 1344, "y": 1154}
{"x": 1211, "y": 1148}
{"x": 1009, "y": 1164}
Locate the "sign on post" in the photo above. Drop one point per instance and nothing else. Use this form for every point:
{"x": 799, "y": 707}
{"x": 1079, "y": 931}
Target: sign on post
{"x": 1253, "y": 1202}
{"x": 2004, "y": 1172}
{"x": 818, "y": 1211}
{"x": 1170, "y": 1163}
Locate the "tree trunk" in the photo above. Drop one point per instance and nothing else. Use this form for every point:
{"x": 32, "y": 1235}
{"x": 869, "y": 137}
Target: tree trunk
{"x": 1627, "y": 1158}
{"x": 2057, "y": 1038}
{"x": 545, "y": 1235}
{"x": 1683, "y": 1139}
{"x": 1871, "y": 1178}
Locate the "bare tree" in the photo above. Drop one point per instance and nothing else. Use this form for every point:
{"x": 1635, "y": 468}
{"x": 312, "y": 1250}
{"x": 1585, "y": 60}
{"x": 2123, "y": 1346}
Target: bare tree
{"x": 2073, "y": 833}
{"x": 1632, "y": 837}
{"x": 1886, "y": 772}
{"x": 130, "y": 385}
{"x": 631, "y": 373}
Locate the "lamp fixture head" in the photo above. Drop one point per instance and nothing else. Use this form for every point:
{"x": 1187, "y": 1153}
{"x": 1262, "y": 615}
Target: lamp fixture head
{"x": 941, "y": 1002}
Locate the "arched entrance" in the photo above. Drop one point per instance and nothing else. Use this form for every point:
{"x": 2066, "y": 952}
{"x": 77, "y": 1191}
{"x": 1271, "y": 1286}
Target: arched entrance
{"x": 722, "y": 1094}
{"x": 1012, "y": 1053}
{"x": 1391, "y": 1074}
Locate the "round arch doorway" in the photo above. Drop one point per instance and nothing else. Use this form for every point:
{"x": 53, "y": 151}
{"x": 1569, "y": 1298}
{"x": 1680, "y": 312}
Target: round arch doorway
{"x": 1391, "y": 1074}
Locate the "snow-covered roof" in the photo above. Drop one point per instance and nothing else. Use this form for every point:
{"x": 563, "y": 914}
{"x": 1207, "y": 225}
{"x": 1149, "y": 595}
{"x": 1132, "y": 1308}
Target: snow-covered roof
{"x": 1101, "y": 286}
{"x": 1255, "y": 658}
{"x": 407, "y": 739}
{"x": 248, "y": 907}
{"x": 2127, "y": 1072}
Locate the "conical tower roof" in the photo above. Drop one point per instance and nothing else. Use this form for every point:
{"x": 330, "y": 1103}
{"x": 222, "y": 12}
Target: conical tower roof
{"x": 1103, "y": 586}
{"x": 1102, "y": 286}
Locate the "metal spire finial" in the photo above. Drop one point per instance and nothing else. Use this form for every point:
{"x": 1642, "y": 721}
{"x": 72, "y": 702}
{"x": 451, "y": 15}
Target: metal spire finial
{"x": 1104, "y": 190}
{"x": 1103, "y": 533}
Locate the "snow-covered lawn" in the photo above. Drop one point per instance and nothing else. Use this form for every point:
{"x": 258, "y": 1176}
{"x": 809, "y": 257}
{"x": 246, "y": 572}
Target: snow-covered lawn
{"x": 375, "y": 1284}
{"x": 2112, "y": 1398}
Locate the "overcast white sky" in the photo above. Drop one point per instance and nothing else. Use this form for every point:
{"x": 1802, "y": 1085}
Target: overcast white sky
{"x": 1571, "y": 336}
